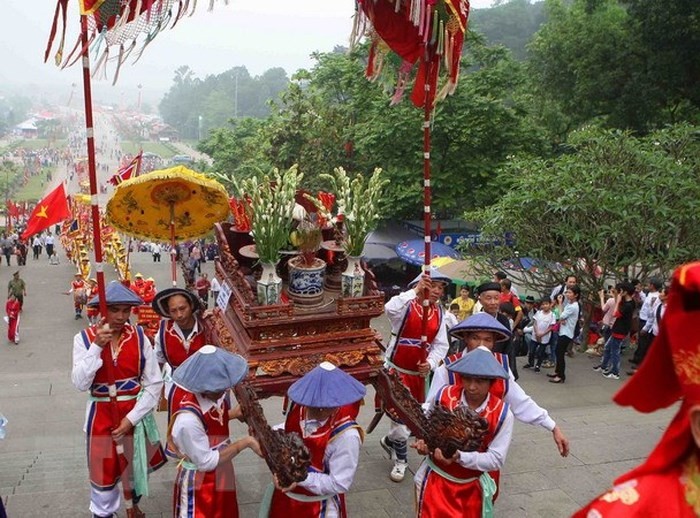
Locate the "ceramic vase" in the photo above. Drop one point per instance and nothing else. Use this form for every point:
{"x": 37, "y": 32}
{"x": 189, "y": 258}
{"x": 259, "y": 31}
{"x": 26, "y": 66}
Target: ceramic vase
{"x": 269, "y": 285}
{"x": 353, "y": 281}
{"x": 306, "y": 282}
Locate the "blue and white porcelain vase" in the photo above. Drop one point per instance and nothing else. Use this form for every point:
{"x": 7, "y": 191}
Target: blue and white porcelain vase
{"x": 306, "y": 282}
{"x": 353, "y": 281}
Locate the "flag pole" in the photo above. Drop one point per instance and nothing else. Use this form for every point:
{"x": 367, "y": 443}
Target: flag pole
{"x": 427, "y": 112}
{"x": 97, "y": 241}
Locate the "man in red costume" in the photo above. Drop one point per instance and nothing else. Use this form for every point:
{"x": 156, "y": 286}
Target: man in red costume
{"x": 93, "y": 312}
{"x": 325, "y": 404}
{"x": 138, "y": 387}
{"x": 482, "y": 329}
{"x": 78, "y": 289}
{"x": 198, "y": 434}
{"x": 667, "y": 483}
{"x": 139, "y": 285}
{"x": 408, "y": 354}
{"x": 461, "y": 485}
{"x": 180, "y": 333}
{"x": 12, "y": 311}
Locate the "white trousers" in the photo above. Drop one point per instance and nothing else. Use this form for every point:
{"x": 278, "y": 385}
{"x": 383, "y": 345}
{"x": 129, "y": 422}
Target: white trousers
{"x": 104, "y": 503}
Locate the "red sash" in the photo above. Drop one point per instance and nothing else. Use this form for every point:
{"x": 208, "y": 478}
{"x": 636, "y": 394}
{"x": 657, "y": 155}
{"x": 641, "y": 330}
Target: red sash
{"x": 408, "y": 350}
{"x": 103, "y": 463}
{"x": 440, "y": 497}
{"x": 200, "y": 494}
{"x": 283, "y": 506}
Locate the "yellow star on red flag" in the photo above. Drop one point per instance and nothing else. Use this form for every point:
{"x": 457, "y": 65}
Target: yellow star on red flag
{"x": 42, "y": 212}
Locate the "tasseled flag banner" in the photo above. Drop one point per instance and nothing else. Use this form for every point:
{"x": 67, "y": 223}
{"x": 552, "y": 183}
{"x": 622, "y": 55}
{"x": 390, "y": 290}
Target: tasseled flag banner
{"x": 121, "y": 24}
{"x": 429, "y": 33}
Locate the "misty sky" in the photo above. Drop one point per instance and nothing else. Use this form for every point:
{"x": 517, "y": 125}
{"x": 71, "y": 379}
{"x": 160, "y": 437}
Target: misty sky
{"x": 259, "y": 35}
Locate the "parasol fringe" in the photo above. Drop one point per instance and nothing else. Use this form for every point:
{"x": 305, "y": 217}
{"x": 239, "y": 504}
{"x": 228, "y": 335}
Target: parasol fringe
{"x": 194, "y": 7}
{"x": 120, "y": 62}
{"x": 61, "y": 10}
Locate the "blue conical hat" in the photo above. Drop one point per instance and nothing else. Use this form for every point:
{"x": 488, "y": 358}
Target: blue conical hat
{"x": 435, "y": 276}
{"x": 481, "y": 322}
{"x": 479, "y": 363}
{"x": 210, "y": 369}
{"x": 117, "y": 294}
{"x": 326, "y": 386}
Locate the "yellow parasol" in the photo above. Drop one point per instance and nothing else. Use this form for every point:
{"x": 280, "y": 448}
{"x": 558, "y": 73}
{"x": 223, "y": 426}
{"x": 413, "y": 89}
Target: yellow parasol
{"x": 172, "y": 204}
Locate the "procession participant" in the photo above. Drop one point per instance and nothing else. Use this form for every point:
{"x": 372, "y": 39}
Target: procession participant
{"x": 12, "y": 311}
{"x": 139, "y": 285}
{"x": 461, "y": 485}
{"x": 149, "y": 291}
{"x": 484, "y": 330}
{"x": 78, "y": 289}
{"x": 324, "y": 407}
{"x": 138, "y": 387}
{"x": 407, "y": 355}
{"x": 666, "y": 483}
{"x": 180, "y": 333}
{"x": 198, "y": 434}
{"x": 93, "y": 312}
{"x": 489, "y": 298}
{"x": 18, "y": 288}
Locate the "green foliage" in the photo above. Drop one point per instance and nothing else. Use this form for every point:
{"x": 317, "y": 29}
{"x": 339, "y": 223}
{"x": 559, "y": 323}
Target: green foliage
{"x": 218, "y": 98}
{"x": 635, "y": 68}
{"x": 511, "y": 24}
{"x": 627, "y": 204}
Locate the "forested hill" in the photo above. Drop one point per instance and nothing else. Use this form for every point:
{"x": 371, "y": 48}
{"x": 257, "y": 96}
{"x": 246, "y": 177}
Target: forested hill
{"x": 511, "y": 24}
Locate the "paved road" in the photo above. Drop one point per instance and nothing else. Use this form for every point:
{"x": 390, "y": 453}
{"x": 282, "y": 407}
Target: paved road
{"x": 42, "y": 462}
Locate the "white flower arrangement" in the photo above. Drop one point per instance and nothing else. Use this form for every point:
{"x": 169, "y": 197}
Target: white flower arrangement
{"x": 271, "y": 207}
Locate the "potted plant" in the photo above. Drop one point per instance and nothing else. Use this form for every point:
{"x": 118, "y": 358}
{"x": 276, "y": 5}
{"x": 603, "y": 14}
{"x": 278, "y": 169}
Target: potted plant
{"x": 357, "y": 203}
{"x": 306, "y": 271}
{"x": 271, "y": 207}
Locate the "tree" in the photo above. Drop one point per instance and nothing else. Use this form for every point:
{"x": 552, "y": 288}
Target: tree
{"x": 615, "y": 206}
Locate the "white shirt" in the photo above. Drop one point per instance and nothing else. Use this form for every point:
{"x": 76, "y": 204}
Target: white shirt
{"x": 395, "y": 311}
{"x": 86, "y": 363}
{"x": 215, "y": 285}
{"x": 523, "y": 406}
{"x": 48, "y": 240}
{"x": 341, "y": 456}
{"x": 191, "y": 439}
{"x": 648, "y": 306}
{"x": 492, "y": 459}
{"x": 449, "y": 319}
{"x": 652, "y": 325}
{"x": 155, "y": 248}
{"x": 542, "y": 322}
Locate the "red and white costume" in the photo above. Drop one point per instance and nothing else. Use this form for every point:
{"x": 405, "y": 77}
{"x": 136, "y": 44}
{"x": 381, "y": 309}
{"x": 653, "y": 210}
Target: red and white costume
{"x": 173, "y": 347}
{"x": 405, "y": 350}
{"x": 12, "y": 310}
{"x": 77, "y": 288}
{"x": 458, "y": 489}
{"x": 198, "y": 430}
{"x": 523, "y": 407}
{"x": 334, "y": 445}
{"x": 135, "y": 371}
{"x": 93, "y": 312}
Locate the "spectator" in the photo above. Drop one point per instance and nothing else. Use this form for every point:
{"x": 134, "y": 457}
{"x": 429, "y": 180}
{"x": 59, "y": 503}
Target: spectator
{"x": 559, "y": 290}
{"x": 501, "y": 276}
{"x": 624, "y": 311}
{"x": 215, "y": 289}
{"x": 18, "y": 288}
{"x": 651, "y": 328}
{"x": 202, "y": 286}
{"x": 568, "y": 316}
{"x": 542, "y": 324}
{"x": 156, "y": 251}
{"x": 465, "y": 303}
{"x": 645, "y": 314}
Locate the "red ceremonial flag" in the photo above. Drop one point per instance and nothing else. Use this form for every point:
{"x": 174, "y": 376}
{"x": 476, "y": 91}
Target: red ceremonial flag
{"x": 52, "y": 209}
{"x": 127, "y": 172}
{"x": 13, "y": 210}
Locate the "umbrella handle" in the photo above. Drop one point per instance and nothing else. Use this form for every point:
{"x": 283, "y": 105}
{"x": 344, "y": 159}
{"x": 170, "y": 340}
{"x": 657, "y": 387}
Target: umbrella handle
{"x": 173, "y": 253}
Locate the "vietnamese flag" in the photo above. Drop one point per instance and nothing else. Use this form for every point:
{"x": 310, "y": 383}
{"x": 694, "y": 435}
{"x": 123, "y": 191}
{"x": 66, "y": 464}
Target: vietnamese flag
{"x": 52, "y": 209}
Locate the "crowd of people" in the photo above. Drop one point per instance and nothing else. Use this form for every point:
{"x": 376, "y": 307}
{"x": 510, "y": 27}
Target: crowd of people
{"x": 464, "y": 359}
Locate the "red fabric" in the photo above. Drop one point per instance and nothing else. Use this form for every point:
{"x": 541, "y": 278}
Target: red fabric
{"x": 12, "y": 309}
{"x": 656, "y": 494}
{"x": 439, "y": 497}
{"x": 174, "y": 347}
{"x": 103, "y": 463}
{"x": 49, "y": 211}
{"x": 408, "y": 351}
{"x": 284, "y": 507}
{"x": 394, "y": 28}
{"x": 131, "y": 170}
{"x": 200, "y": 494}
